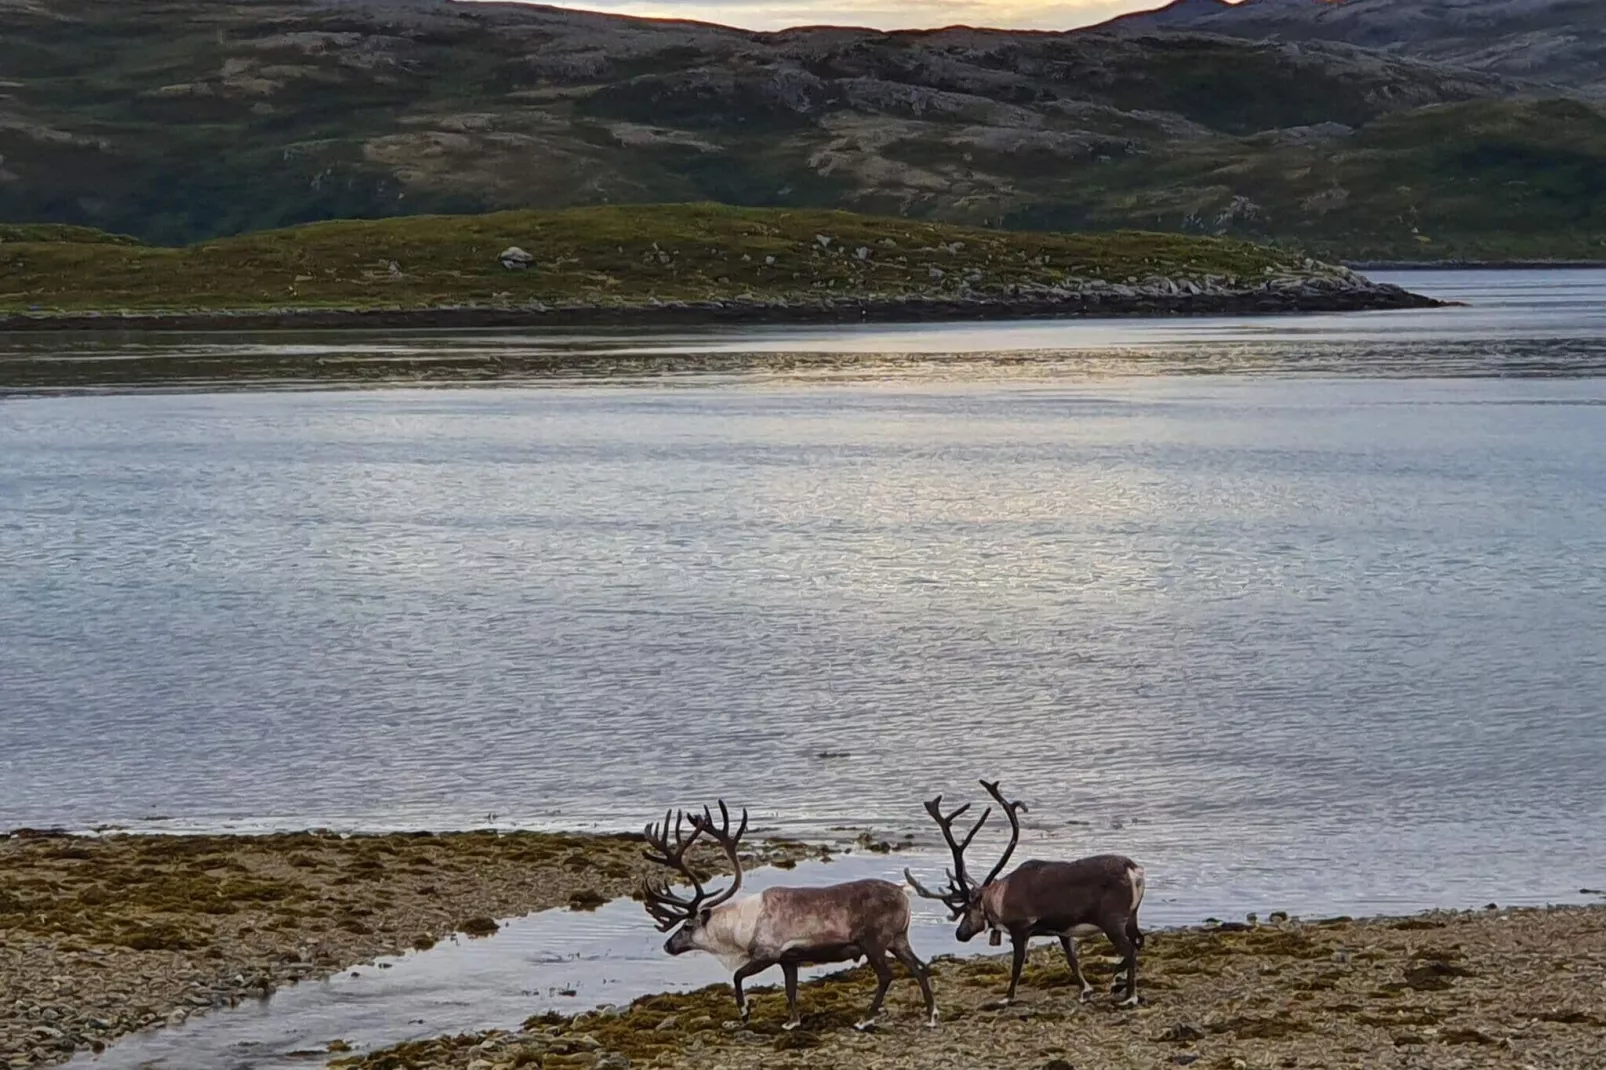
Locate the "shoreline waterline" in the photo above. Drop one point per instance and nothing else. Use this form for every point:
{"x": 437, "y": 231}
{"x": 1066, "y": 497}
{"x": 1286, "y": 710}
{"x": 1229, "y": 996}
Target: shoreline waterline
{"x": 1272, "y": 302}
{"x": 146, "y": 931}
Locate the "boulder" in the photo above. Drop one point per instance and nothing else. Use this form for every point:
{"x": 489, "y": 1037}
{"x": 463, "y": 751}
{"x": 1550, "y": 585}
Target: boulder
{"x": 515, "y": 259}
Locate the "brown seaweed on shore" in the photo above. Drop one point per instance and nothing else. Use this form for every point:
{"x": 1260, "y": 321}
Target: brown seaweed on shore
{"x": 101, "y": 936}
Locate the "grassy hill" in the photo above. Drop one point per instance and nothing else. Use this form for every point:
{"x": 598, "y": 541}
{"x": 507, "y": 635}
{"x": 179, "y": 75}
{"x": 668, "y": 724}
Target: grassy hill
{"x": 603, "y": 256}
{"x": 1483, "y": 180}
{"x": 183, "y": 120}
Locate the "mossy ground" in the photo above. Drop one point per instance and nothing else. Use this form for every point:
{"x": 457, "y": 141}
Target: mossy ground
{"x": 606, "y": 256}
{"x": 1489, "y": 989}
{"x": 174, "y": 892}
{"x": 103, "y": 935}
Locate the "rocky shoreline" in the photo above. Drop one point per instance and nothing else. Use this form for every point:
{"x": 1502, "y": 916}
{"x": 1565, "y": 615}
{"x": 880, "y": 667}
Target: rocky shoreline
{"x": 1476, "y": 265}
{"x": 102, "y": 936}
{"x": 1489, "y": 988}
{"x": 1323, "y": 289}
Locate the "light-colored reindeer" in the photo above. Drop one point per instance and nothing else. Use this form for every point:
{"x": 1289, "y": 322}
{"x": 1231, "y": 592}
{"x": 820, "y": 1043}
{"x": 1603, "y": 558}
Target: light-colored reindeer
{"x": 1062, "y": 899}
{"x": 786, "y": 927}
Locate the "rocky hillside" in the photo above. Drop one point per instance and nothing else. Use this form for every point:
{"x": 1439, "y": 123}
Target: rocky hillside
{"x": 177, "y": 120}
{"x": 1563, "y": 41}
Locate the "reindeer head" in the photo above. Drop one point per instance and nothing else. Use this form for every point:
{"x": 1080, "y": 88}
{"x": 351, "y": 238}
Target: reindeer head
{"x": 963, "y": 897}
{"x": 669, "y": 910}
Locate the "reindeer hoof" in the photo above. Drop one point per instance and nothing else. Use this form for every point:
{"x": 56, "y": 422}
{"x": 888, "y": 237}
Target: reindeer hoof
{"x": 789, "y": 1026}
{"x": 1087, "y": 994}
{"x": 865, "y": 1026}
{"x": 931, "y": 1023}
{"x": 1130, "y": 1001}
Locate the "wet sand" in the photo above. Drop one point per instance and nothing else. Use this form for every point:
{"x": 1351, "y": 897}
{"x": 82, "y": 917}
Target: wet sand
{"x": 103, "y": 936}
{"x": 1493, "y": 988}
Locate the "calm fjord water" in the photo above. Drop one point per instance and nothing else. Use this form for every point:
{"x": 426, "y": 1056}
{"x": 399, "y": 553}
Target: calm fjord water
{"x": 1319, "y": 641}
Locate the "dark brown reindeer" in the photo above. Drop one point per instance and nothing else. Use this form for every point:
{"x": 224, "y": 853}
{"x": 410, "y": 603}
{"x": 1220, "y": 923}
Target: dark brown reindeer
{"x": 1061, "y": 899}
{"x": 786, "y": 927}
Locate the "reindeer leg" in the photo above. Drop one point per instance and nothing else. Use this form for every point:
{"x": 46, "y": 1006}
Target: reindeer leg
{"x": 1018, "y": 942}
{"x": 1129, "y": 960}
{"x": 883, "y": 981}
{"x": 1134, "y": 934}
{"x": 793, "y": 1018}
{"x": 741, "y": 975}
{"x": 1068, "y": 942}
{"x": 911, "y": 962}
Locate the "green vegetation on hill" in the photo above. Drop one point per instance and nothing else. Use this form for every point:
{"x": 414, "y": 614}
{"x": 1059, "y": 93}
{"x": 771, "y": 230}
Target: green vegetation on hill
{"x": 1483, "y": 180}
{"x": 57, "y": 232}
{"x": 620, "y": 256}
{"x": 184, "y": 120}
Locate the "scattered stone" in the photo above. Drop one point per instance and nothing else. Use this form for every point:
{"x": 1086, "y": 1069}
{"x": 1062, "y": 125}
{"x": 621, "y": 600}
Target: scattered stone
{"x": 515, "y": 259}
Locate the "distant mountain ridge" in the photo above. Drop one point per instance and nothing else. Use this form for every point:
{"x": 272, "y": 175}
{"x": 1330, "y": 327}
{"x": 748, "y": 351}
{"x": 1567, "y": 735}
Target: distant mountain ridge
{"x": 1561, "y": 41}
{"x": 179, "y": 120}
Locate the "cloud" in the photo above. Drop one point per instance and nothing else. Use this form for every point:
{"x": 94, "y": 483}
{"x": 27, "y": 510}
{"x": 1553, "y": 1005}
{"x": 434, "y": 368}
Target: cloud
{"x": 880, "y": 14}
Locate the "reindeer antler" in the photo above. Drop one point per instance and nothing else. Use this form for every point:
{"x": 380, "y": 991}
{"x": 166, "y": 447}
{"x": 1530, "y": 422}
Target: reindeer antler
{"x": 666, "y": 908}
{"x": 957, "y": 895}
{"x": 1010, "y": 809}
{"x": 726, "y": 840}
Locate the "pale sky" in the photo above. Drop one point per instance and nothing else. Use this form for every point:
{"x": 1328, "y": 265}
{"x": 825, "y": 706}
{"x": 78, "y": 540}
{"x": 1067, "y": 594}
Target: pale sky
{"x": 880, "y": 14}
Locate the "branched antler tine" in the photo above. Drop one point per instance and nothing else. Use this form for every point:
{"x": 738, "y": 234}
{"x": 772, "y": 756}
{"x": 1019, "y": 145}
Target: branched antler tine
{"x": 666, "y": 909}
{"x": 662, "y": 894}
{"x": 658, "y": 839}
{"x": 946, "y": 823}
{"x": 730, "y": 843}
{"x": 963, "y": 881}
{"x": 674, "y": 856}
{"x": 976, "y": 828}
{"x": 922, "y": 891}
{"x": 1010, "y": 810}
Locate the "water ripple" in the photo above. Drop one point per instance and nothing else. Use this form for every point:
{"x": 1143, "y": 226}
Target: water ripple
{"x": 1292, "y": 639}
